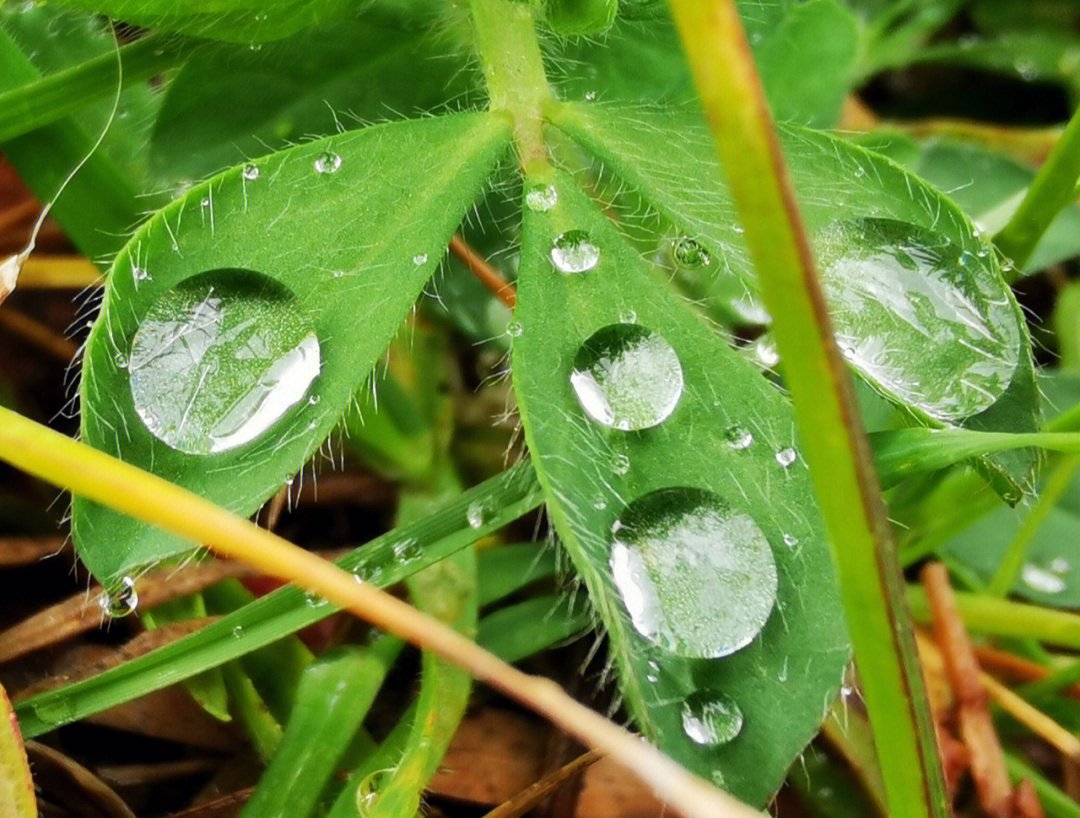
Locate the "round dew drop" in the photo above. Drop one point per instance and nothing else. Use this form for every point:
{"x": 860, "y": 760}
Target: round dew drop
{"x": 408, "y": 550}
{"x": 697, "y": 576}
{"x": 251, "y": 172}
{"x": 786, "y": 457}
{"x": 120, "y": 601}
{"x": 541, "y": 199}
{"x": 327, "y": 162}
{"x": 477, "y": 515}
{"x": 627, "y": 377}
{"x": 574, "y": 252}
{"x": 688, "y": 253}
{"x": 711, "y": 719}
{"x": 739, "y": 437}
{"x": 419, "y": 259}
{"x": 219, "y": 359}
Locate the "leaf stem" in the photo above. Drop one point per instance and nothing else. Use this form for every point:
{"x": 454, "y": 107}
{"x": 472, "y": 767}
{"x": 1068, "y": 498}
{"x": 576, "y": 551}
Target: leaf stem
{"x": 488, "y": 275}
{"x": 98, "y": 477}
{"x": 1051, "y": 190}
{"x": 517, "y": 84}
{"x": 871, "y": 584}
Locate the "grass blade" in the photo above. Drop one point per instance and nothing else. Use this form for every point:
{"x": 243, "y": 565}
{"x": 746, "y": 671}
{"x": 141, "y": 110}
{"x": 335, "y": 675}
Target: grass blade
{"x": 870, "y": 579}
{"x": 127, "y": 489}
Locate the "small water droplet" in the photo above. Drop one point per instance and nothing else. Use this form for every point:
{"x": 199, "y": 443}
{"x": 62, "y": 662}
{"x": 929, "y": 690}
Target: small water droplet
{"x": 119, "y": 601}
{"x": 620, "y": 464}
{"x": 600, "y": 503}
{"x": 739, "y": 437}
{"x": 689, "y": 253}
{"x": 408, "y": 550}
{"x": 653, "y": 674}
{"x": 327, "y": 162}
{"x": 140, "y": 273}
{"x": 628, "y": 317}
{"x": 121, "y": 360}
{"x": 477, "y": 514}
{"x": 697, "y": 576}
{"x": 313, "y": 600}
{"x": 711, "y": 718}
{"x": 790, "y": 541}
{"x": 860, "y": 172}
{"x": 542, "y": 198}
{"x": 1059, "y": 565}
{"x": 237, "y": 631}
{"x": 590, "y": 96}
{"x": 251, "y": 172}
{"x": 514, "y": 329}
{"x": 205, "y": 203}
{"x": 420, "y": 259}
{"x": 1039, "y": 579}
{"x": 574, "y": 252}
{"x": 368, "y": 572}
{"x": 219, "y": 359}
{"x": 627, "y": 377}
{"x": 314, "y": 400}
{"x": 786, "y": 457}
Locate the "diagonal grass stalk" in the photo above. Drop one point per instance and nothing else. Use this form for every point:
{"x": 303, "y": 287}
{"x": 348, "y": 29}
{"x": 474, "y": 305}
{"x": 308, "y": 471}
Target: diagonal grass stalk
{"x": 98, "y": 477}
{"x": 871, "y": 584}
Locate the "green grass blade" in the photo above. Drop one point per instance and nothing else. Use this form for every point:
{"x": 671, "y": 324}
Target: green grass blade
{"x": 332, "y": 700}
{"x": 285, "y": 611}
{"x": 1052, "y": 189}
{"x": 61, "y": 94}
{"x": 871, "y": 583}
{"x": 189, "y": 371}
{"x": 99, "y": 207}
{"x": 510, "y": 568}
{"x": 731, "y": 434}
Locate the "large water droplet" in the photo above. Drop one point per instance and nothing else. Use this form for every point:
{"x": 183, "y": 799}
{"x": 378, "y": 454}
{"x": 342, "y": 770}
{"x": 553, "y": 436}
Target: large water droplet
{"x": 119, "y": 601}
{"x": 697, "y": 577}
{"x": 920, "y": 317}
{"x": 219, "y": 359}
{"x": 627, "y": 377}
{"x": 574, "y": 252}
{"x": 711, "y": 718}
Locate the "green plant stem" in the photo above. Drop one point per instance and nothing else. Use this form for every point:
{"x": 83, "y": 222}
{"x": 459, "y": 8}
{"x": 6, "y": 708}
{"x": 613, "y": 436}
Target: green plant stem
{"x": 835, "y": 447}
{"x": 517, "y": 84}
{"x": 51, "y": 98}
{"x": 994, "y": 616}
{"x": 1050, "y": 191}
{"x": 1010, "y": 566}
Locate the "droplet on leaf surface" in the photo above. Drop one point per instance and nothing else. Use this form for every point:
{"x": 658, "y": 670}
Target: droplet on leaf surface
{"x": 697, "y": 576}
{"x": 541, "y": 198}
{"x": 689, "y": 253}
{"x": 923, "y": 319}
{"x": 710, "y": 718}
{"x": 119, "y": 601}
{"x": 219, "y": 359}
{"x": 574, "y": 252}
{"x": 627, "y": 377}
{"x": 327, "y": 162}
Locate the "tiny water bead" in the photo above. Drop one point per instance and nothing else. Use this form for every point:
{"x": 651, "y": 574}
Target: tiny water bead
{"x": 477, "y": 514}
{"x": 542, "y": 198}
{"x": 140, "y": 273}
{"x": 711, "y": 719}
{"x": 627, "y": 377}
{"x": 574, "y": 252}
{"x": 688, "y": 253}
{"x": 514, "y": 329}
{"x": 697, "y": 576}
{"x": 922, "y": 318}
{"x": 420, "y": 259}
{"x": 327, "y": 162}
{"x": 119, "y": 601}
{"x": 739, "y": 437}
{"x": 408, "y": 550}
{"x": 620, "y": 464}
{"x": 219, "y": 359}
{"x": 251, "y": 172}
{"x": 787, "y": 457}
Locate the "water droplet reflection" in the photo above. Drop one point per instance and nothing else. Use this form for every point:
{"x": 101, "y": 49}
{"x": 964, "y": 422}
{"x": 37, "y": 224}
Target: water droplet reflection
{"x": 574, "y": 252}
{"x": 697, "y": 576}
{"x": 711, "y": 719}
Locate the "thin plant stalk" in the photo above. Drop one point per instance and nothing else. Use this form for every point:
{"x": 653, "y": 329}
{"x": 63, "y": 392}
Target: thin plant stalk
{"x": 97, "y": 476}
{"x": 833, "y": 441}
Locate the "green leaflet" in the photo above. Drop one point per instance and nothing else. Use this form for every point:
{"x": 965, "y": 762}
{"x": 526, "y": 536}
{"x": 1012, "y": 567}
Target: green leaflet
{"x": 334, "y": 241}
{"x": 17, "y": 799}
{"x": 783, "y": 681}
{"x": 310, "y": 84}
{"x": 237, "y": 21}
{"x": 848, "y": 197}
